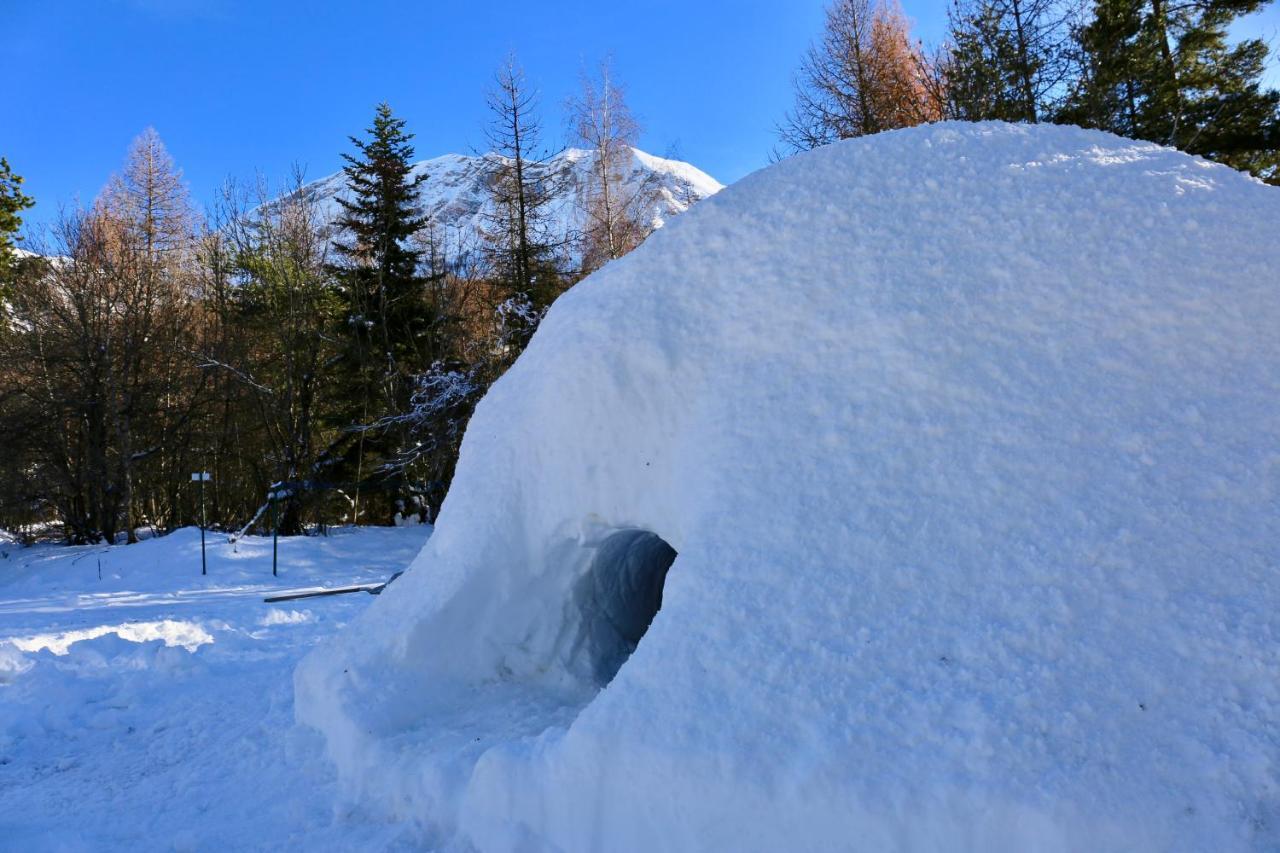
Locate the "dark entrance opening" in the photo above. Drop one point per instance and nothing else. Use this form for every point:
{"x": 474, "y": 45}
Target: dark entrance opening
{"x": 619, "y": 596}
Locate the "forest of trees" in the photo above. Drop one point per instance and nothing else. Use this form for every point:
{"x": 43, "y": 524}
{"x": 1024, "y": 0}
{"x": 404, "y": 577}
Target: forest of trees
{"x": 324, "y": 372}
{"x": 1158, "y": 70}
{"x": 321, "y": 371}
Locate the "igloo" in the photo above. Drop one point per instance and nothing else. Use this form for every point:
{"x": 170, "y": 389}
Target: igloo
{"x": 918, "y": 492}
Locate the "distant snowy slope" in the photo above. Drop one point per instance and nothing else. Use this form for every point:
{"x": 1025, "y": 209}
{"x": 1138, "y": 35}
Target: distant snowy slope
{"x": 455, "y": 198}
{"x": 965, "y": 440}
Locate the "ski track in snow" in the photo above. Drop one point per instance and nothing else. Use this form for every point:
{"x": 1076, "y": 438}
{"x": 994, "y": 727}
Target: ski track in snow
{"x": 153, "y": 709}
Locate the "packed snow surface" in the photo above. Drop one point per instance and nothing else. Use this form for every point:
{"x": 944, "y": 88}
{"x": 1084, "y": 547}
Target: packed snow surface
{"x": 146, "y": 707}
{"x": 966, "y": 438}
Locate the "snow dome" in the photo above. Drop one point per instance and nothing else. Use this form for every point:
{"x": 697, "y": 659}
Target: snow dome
{"x": 917, "y": 492}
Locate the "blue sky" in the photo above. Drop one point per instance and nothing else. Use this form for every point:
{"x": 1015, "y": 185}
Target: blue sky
{"x": 235, "y": 86}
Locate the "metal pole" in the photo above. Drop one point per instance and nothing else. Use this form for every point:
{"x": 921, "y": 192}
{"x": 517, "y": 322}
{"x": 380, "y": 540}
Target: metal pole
{"x": 204, "y": 569}
{"x": 275, "y": 536}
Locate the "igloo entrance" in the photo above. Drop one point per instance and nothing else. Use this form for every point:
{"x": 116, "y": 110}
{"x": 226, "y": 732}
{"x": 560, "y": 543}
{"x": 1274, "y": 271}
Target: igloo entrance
{"x": 618, "y": 596}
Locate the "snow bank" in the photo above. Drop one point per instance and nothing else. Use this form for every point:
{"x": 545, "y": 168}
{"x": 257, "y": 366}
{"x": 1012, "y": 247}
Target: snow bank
{"x": 966, "y": 439}
{"x": 172, "y": 632}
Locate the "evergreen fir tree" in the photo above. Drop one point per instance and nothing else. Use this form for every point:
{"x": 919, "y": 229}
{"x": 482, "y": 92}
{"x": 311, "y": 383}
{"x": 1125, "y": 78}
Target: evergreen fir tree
{"x": 1167, "y": 73}
{"x": 385, "y": 318}
{"x": 379, "y": 281}
{"x": 12, "y": 203}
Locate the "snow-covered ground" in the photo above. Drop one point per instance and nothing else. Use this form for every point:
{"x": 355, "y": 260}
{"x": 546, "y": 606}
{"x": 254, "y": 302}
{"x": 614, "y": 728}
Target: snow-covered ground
{"x": 152, "y": 709}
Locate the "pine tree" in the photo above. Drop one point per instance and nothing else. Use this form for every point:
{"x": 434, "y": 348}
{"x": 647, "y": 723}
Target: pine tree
{"x": 18, "y": 420}
{"x": 12, "y": 203}
{"x": 1166, "y": 72}
{"x": 379, "y": 282}
{"x": 386, "y": 322}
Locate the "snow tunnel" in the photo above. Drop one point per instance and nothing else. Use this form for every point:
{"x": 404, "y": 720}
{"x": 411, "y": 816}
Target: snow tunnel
{"x": 619, "y": 595}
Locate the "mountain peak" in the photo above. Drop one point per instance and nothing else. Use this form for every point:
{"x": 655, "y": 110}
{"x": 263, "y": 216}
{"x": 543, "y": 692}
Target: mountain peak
{"x": 455, "y": 200}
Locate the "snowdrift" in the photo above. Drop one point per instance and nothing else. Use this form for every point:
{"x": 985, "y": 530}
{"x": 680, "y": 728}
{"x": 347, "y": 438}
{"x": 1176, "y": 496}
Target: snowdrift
{"x": 951, "y": 458}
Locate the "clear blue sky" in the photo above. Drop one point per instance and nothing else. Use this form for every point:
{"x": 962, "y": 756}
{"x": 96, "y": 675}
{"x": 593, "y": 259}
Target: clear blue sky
{"x": 236, "y": 86}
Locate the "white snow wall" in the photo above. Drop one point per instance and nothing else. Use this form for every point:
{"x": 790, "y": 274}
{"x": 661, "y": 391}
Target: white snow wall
{"x": 967, "y": 439}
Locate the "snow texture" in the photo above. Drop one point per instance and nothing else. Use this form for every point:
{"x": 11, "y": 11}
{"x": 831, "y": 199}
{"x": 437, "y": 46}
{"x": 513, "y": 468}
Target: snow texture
{"x": 150, "y": 708}
{"x": 966, "y": 438}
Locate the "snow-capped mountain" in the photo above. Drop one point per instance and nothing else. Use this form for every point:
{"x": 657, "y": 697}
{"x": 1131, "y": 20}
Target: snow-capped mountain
{"x": 455, "y": 198}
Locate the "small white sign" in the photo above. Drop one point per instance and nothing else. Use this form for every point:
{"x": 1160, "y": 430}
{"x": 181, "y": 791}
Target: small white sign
{"x": 201, "y": 476}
